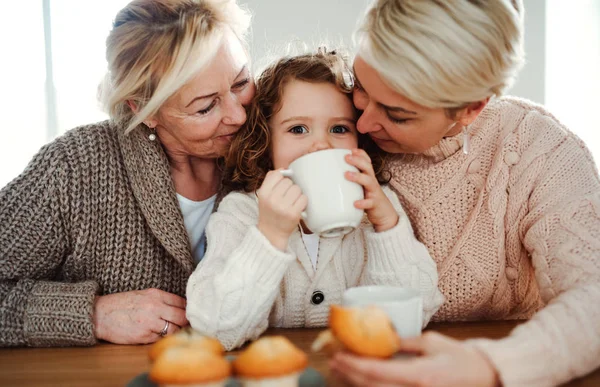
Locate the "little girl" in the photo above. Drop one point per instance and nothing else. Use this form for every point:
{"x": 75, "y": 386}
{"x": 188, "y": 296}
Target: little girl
{"x": 262, "y": 266}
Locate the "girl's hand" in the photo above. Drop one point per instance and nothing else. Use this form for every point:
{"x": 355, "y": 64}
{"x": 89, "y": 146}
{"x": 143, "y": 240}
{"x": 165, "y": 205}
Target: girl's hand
{"x": 379, "y": 209}
{"x": 443, "y": 362}
{"x": 138, "y": 316}
{"x": 280, "y": 205}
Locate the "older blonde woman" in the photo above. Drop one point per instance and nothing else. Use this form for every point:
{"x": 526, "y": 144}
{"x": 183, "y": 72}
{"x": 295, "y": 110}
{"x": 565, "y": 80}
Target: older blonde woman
{"x": 100, "y": 233}
{"x": 504, "y": 196}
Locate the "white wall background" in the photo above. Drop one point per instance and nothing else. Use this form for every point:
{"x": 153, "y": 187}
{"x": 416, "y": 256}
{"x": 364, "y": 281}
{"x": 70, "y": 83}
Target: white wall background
{"x": 77, "y": 38}
{"x": 277, "y": 23}
{"x": 531, "y": 83}
{"x": 573, "y": 67}
{"x": 562, "y": 71}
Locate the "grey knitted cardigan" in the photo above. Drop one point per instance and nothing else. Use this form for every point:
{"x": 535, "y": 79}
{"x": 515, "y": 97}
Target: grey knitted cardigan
{"x": 95, "y": 212}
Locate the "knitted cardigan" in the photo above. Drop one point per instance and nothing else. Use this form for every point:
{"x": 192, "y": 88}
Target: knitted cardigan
{"x": 514, "y": 228}
{"x": 94, "y": 213}
{"x": 244, "y": 284}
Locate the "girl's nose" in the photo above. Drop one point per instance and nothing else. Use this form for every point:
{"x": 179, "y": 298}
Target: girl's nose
{"x": 319, "y": 145}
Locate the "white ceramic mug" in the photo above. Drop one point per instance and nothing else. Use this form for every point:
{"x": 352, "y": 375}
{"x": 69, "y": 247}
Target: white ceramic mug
{"x": 320, "y": 176}
{"x": 403, "y": 306}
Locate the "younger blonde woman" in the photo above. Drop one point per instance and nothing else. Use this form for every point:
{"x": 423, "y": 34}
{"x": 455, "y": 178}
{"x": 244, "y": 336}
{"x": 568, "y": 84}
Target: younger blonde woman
{"x": 263, "y": 267}
{"x": 505, "y": 197}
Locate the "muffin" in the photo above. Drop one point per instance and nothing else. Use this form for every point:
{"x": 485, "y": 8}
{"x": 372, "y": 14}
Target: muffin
{"x": 186, "y": 338}
{"x": 190, "y": 367}
{"x": 365, "y": 331}
{"x": 270, "y": 361}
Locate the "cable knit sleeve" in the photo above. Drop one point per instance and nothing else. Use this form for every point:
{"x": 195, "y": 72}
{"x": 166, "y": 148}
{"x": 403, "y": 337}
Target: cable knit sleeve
{"x": 34, "y": 311}
{"x": 232, "y": 291}
{"x": 396, "y": 257}
{"x": 561, "y": 232}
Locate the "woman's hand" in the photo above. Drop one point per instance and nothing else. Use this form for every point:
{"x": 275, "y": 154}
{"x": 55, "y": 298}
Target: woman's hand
{"x": 280, "y": 205}
{"x": 137, "y": 317}
{"x": 442, "y": 361}
{"x": 379, "y": 209}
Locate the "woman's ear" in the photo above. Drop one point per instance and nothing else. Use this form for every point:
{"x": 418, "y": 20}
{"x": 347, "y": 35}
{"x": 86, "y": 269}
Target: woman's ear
{"x": 132, "y": 106}
{"x": 468, "y": 114}
{"x": 149, "y": 122}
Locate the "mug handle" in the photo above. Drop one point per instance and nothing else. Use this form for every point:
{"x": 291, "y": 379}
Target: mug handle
{"x": 290, "y": 173}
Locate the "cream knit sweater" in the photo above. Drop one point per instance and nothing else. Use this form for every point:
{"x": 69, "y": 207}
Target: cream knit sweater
{"x": 514, "y": 228}
{"x": 244, "y": 284}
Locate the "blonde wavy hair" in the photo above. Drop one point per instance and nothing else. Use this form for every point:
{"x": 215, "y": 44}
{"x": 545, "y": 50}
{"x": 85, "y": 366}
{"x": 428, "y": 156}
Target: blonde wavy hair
{"x": 444, "y": 53}
{"x": 156, "y": 46}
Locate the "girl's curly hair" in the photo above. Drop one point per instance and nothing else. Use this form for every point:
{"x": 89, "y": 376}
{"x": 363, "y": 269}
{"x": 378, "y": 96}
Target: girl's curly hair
{"x": 249, "y": 157}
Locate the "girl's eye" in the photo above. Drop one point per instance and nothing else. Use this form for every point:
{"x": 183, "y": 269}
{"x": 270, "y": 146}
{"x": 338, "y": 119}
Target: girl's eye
{"x": 298, "y": 129}
{"x": 339, "y": 129}
{"x": 208, "y": 109}
{"x": 241, "y": 84}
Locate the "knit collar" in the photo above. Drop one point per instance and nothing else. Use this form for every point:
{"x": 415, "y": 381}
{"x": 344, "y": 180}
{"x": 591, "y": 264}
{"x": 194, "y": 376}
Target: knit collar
{"x": 148, "y": 169}
{"x": 445, "y": 148}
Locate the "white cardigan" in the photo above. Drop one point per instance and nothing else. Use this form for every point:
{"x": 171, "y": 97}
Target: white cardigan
{"x": 244, "y": 284}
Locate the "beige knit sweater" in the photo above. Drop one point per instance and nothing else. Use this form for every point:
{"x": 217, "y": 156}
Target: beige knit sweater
{"x": 514, "y": 228}
{"x": 244, "y": 284}
{"x": 94, "y": 213}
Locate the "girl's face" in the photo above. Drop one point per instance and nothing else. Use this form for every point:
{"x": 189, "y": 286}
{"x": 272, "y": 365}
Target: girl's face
{"x": 313, "y": 117}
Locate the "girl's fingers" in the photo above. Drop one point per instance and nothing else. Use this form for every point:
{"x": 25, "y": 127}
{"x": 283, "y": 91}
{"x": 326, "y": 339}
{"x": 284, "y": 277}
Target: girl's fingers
{"x": 271, "y": 180}
{"x": 364, "y": 204}
{"x": 361, "y": 153}
{"x": 367, "y": 181}
{"x": 281, "y": 188}
{"x": 301, "y": 203}
{"x": 361, "y": 164}
{"x": 360, "y": 160}
{"x": 292, "y": 194}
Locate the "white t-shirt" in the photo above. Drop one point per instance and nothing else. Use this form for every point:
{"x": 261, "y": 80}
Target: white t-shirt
{"x": 195, "y": 218}
{"x": 311, "y": 242}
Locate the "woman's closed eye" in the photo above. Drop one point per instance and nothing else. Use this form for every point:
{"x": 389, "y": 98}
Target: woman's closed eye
{"x": 241, "y": 84}
{"x": 209, "y": 108}
{"x": 398, "y": 121}
{"x": 237, "y": 86}
{"x": 358, "y": 86}
{"x": 298, "y": 129}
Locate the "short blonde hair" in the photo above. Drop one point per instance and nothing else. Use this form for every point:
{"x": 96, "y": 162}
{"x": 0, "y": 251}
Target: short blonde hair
{"x": 444, "y": 53}
{"x": 156, "y": 46}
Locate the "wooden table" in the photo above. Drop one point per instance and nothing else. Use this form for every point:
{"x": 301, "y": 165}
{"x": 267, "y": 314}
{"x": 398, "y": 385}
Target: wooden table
{"x": 116, "y": 365}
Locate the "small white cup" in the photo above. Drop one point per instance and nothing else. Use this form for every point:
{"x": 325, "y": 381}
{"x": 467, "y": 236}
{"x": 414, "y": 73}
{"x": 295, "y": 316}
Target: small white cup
{"x": 320, "y": 176}
{"x": 403, "y": 306}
